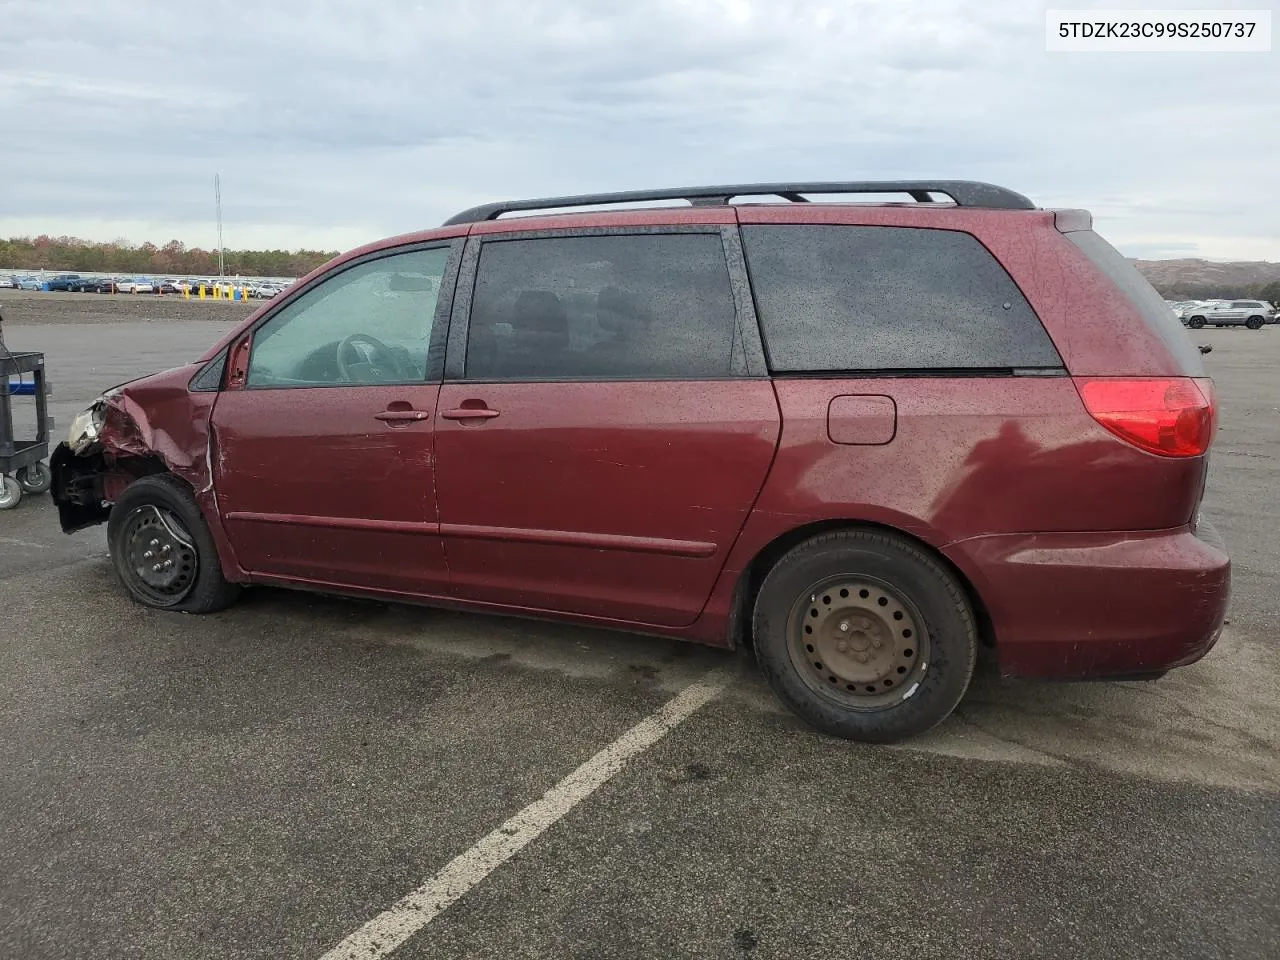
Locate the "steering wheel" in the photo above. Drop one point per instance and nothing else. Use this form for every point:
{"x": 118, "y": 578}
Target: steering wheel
{"x": 361, "y": 350}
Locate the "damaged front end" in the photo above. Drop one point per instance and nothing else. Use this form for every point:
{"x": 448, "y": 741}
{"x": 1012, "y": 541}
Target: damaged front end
{"x": 79, "y": 471}
{"x": 154, "y": 425}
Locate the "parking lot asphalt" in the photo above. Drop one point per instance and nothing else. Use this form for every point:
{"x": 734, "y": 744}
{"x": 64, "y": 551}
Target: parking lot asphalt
{"x": 265, "y": 781}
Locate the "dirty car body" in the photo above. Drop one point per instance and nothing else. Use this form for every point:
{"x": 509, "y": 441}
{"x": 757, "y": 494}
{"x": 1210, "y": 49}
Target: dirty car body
{"x": 623, "y": 418}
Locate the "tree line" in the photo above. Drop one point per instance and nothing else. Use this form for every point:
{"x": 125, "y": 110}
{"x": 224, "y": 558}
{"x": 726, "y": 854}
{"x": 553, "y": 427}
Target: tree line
{"x": 177, "y": 259}
{"x": 173, "y": 259}
{"x": 1269, "y": 292}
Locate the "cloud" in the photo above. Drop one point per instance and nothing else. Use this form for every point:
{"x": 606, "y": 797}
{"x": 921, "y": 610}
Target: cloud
{"x": 335, "y": 121}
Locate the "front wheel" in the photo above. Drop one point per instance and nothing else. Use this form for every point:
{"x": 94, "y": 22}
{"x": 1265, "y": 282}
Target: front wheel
{"x": 865, "y": 635}
{"x": 1195, "y": 323}
{"x": 1254, "y": 323}
{"x": 162, "y": 549}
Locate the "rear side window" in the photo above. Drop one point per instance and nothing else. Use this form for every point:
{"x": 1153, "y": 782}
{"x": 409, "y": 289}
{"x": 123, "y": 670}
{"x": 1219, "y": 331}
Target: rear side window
{"x": 844, "y": 298}
{"x": 1143, "y": 296}
{"x": 652, "y": 306}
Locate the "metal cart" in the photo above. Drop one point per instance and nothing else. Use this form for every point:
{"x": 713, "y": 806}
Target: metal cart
{"x": 21, "y": 469}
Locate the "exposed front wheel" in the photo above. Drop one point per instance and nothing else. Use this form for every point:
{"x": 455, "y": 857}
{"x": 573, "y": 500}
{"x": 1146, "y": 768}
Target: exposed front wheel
{"x": 865, "y": 635}
{"x": 162, "y": 549}
{"x": 1254, "y": 323}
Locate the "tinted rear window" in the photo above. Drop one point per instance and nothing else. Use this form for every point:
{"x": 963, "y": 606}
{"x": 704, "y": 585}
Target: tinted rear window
{"x": 653, "y": 306}
{"x": 888, "y": 298}
{"x": 1143, "y": 296}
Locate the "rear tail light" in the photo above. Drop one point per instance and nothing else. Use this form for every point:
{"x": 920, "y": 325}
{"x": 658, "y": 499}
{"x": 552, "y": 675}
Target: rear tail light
{"x": 1169, "y": 416}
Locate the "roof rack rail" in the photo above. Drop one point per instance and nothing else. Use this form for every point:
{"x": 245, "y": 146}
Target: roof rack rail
{"x": 965, "y": 193}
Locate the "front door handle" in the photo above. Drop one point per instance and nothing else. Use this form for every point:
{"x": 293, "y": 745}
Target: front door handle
{"x": 470, "y": 413}
{"x": 401, "y": 416}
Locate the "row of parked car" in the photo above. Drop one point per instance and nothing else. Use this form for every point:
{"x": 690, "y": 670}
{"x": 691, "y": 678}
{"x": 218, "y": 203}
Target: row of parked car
{"x": 75, "y": 283}
{"x": 1224, "y": 313}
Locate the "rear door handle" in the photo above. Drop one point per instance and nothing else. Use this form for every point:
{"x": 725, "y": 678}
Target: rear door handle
{"x": 401, "y": 416}
{"x": 470, "y": 413}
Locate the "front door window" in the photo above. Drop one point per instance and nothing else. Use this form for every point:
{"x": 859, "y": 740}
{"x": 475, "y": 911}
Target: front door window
{"x": 370, "y": 324}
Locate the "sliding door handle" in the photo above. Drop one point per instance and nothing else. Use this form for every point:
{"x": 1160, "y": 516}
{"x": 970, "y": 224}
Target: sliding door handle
{"x": 470, "y": 413}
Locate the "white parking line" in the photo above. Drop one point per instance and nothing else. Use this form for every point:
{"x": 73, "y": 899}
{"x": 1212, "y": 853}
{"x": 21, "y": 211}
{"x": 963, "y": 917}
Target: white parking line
{"x": 391, "y": 928}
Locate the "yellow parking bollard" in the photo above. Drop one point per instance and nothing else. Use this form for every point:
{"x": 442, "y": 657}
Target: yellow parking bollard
{"x": 201, "y": 291}
{"x": 186, "y": 291}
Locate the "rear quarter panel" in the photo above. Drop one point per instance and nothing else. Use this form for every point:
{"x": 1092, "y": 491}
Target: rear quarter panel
{"x": 971, "y": 456}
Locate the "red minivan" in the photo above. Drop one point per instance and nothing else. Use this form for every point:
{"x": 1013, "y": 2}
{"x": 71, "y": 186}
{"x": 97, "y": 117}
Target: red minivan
{"x": 864, "y": 438}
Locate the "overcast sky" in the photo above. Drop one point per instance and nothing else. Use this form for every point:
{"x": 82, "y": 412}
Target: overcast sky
{"x": 334, "y": 122}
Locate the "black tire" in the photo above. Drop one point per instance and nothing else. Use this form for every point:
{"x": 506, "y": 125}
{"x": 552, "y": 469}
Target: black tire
{"x": 35, "y": 478}
{"x": 1195, "y": 323}
{"x": 901, "y": 577}
{"x": 1254, "y": 323}
{"x": 164, "y": 506}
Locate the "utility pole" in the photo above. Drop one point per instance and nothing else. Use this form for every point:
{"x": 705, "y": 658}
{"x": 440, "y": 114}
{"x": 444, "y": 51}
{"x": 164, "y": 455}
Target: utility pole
{"x": 217, "y": 201}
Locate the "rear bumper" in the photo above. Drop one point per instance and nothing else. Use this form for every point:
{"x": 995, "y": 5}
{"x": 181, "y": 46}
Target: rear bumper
{"x": 1091, "y": 605}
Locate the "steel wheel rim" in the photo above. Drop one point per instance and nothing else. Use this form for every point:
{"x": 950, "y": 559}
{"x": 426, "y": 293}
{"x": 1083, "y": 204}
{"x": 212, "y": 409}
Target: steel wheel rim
{"x": 858, "y": 642}
{"x": 159, "y": 556}
{"x": 10, "y": 492}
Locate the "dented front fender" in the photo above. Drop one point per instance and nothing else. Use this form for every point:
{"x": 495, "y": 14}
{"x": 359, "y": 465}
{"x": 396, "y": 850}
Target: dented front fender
{"x": 146, "y": 426}
{"x": 157, "y": 424}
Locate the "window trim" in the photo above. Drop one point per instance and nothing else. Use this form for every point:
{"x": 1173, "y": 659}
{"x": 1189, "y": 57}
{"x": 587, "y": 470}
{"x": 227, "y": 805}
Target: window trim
{"x": 210, "y": 376}
{"x": 439, "y": 323}
{"x": 747, "y": 330}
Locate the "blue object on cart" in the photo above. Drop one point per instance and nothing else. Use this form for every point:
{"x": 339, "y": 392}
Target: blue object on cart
{"x": 22, "y": 388}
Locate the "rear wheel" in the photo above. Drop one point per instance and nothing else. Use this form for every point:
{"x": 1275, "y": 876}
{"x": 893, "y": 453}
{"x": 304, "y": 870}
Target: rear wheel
{"x": 1254, "y": 323}
{"x": 865, "y": 635}
{"x": 1195, "y": 323}
{"x": 162, "y": 549}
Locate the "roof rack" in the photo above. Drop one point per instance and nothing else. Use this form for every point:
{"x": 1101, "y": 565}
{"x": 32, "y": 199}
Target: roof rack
{"x": 965, "y": 193}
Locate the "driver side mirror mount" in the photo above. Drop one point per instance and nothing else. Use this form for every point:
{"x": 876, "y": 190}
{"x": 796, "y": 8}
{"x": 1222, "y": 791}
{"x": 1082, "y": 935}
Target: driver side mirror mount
{"x": 238, "y": 364}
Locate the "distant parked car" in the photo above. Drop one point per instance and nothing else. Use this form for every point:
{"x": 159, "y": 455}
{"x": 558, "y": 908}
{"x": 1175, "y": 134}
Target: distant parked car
{"x": 30, "y": 283}
{"x": 170, "y": 286}
{"x": 83, "y": 285}
{"x": 63, "y": 281}
{"x": 265, "y": 291}
{"x": 1230, "y": 313}
{"x": 136, "y": 285}
{"x": 8, "y": 283}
